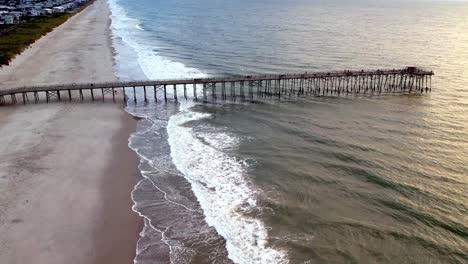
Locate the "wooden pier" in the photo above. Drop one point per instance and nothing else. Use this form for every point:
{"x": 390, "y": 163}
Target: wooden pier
{"x": 336, "y": 83}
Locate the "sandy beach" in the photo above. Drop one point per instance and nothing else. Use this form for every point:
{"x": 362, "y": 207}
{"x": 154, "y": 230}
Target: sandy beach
{"x": 66, "y": 172}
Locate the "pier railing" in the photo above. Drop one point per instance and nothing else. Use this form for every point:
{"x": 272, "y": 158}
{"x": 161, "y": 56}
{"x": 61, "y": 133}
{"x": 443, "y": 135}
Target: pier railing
{"x": 334, "y": 83}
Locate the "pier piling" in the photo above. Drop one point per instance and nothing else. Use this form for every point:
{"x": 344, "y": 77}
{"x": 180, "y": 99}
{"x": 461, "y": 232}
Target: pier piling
{"x": 407, "y": 80}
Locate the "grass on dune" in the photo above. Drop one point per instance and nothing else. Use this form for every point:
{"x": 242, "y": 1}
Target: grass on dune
{"x": 20, "y": 38}
{"x": 17, "y": 40}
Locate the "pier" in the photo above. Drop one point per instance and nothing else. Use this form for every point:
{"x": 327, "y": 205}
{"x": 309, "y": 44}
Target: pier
{"x": 334, "y": 83}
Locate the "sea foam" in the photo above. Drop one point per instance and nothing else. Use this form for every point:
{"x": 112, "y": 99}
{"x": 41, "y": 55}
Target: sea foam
{"x": 218, "y": 180}
{"x": 225, "y": 195}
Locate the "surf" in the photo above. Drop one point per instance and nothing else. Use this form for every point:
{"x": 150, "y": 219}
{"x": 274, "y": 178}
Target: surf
{"x": 219, "y": 181}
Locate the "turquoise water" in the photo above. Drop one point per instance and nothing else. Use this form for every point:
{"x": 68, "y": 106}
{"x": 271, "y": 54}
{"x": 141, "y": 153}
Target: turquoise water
{"x": 320, "y": 180}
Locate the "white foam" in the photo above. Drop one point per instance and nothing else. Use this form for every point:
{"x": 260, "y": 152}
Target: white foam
{"x": 153, "y": 65}
{"x": 219, "y": 184}
{"x": 139, "y": 27}
{"x": 218, "y": 180}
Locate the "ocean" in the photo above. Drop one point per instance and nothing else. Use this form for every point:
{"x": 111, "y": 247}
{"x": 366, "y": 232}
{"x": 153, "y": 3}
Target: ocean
{"x": 331, "y": 179}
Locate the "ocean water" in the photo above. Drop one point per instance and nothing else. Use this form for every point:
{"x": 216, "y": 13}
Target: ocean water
{"x": 379, "y": 179}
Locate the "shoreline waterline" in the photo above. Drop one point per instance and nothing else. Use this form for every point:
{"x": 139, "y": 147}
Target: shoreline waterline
{"x": 338, "y": 179}
{"x": 325, "y": 179}
{"x": 161, "y": 165}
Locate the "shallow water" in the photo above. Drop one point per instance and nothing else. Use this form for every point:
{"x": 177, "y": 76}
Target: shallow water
{"x": 318, "y": 180}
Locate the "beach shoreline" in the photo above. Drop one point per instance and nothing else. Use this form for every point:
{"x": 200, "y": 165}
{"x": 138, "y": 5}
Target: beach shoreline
{"x": 67, "y": 172}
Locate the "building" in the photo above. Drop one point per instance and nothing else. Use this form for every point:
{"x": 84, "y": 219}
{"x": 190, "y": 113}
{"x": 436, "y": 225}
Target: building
{"x": 8, "y": 19}
{"x": 37, "y": 12}
{"x": 12, "y": 11}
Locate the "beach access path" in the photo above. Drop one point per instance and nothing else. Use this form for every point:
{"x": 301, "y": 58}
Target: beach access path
{"x": 66, "y": 172}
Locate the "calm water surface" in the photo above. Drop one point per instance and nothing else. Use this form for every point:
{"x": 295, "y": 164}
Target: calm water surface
{"x": 320, "y": 180}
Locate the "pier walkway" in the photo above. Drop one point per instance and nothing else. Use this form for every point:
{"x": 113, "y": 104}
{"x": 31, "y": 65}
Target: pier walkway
{"x": 335, "y": 83}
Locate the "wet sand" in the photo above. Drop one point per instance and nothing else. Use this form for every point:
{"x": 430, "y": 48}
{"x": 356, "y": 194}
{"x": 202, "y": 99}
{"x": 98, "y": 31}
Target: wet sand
{"x": 66, "y": 172}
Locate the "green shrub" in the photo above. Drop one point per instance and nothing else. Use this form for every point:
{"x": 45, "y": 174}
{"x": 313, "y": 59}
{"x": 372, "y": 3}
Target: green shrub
{"x": 17, "y": 40}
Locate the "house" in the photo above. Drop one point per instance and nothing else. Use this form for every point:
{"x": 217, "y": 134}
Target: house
{"x": 8, "y": 19}
{"x": 48, "y": 11}
{"x": 37, "y": 12}
{"x": 17, "y": 15}
{"x": 58, "y": 9}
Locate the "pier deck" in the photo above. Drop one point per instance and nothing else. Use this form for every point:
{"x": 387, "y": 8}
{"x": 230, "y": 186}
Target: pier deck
{"x": 408, "y": 80}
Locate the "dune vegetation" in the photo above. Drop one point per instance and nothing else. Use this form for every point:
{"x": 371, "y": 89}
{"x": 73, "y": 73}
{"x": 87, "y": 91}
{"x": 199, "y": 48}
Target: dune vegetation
{"x": 17, "y": 40}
